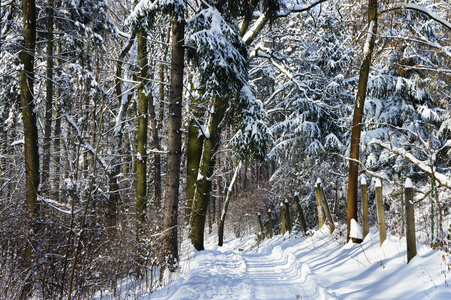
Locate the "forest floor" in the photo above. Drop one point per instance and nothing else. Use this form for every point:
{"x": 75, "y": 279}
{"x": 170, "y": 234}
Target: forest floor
{"x": 320, "y": 266}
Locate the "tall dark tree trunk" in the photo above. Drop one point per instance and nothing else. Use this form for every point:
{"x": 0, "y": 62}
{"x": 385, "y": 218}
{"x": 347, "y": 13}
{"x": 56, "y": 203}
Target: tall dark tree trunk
{"x": 171, "y": 201}
{"x": 57, "y": 132}
{"x": 29, "y": 124}
{"x": 48, "y": 102}
{"x": 204, "y": 178}
{"x": 358, "y": 114}
{"x": 193, "y": 153}
{"x": 159, "y": 123}
{"x": 141, "y": 161}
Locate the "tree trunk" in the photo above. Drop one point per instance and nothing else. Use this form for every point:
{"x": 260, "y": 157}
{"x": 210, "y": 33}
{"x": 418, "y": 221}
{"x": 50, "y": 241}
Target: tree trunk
{"x": 116, "y": 162}
{"x": 30, "y": 126}
{"x": 226, "y": 206}
{"x": 57, "y": 134}
{"x": 206, "y": 167}
{"x": 358, "y": 115}
{"x": 48, "y": 102}
{"x": 171, "y": 201}
{"x": 141, "y": 161}
{"x": 156, "y": 146}
{"x": 159, "y": 125}
{"x": 218, "y": 198}
{"x": 193, "y": 153}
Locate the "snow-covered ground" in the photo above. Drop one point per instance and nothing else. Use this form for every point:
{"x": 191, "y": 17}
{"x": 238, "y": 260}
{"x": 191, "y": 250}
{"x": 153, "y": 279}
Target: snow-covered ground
{"x": 321, "y": 266}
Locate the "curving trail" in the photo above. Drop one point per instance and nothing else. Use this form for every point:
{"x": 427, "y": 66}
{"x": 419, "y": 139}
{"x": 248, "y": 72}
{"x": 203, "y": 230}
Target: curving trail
{"x": 219, "y": 274}
{"x": 318, "y": 267}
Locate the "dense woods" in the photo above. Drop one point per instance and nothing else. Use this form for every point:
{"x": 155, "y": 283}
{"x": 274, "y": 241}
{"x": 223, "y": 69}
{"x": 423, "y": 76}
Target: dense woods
{"x": 130, "y": 126}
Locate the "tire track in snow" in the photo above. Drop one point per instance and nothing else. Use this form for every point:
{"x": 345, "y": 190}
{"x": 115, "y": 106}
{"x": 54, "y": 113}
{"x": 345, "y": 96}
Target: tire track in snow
{"x": 233, "y": 276}
{"x": 279, "y": 276}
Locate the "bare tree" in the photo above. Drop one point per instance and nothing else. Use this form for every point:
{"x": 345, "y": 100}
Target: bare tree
{"x": 358, "y": 114}
{"x": 29, "y": 123}
{"x": 171, "y": 201}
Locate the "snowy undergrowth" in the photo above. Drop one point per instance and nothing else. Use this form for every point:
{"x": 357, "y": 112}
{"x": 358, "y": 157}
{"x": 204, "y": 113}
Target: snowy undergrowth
{"x": 321, "y": 266}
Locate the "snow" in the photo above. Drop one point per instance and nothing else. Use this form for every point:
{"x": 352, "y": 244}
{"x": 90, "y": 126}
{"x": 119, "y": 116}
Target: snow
{"x": 423, "y": 165}
{"x": 356, "y": 230}
{"x": 408, "y": 183}
{"x": 18, "y": 142}
{"x": 366, "y": 47}
{"x": 378, "y": 183}
{"x": 321, "y": 266}
{"x": 363, "y": 181}
{"x": 428, "y": 12}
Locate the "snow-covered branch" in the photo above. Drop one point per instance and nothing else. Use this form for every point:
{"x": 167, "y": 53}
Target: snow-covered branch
{"x": 86, "y": 145}
{"x": 419, "y": 8}
{"x": 426, "y": 166}
{"x": 261, "y": 22}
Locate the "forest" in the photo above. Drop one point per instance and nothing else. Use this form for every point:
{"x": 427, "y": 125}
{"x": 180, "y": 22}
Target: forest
{"x": 130, "y": 126}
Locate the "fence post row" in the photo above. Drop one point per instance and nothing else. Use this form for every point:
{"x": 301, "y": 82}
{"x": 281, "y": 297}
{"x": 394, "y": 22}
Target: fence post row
{"x": 364, "y": 195}
{"x": 287, "y": 216}
{"x": 380, "y": 211}
{"x": 283, "y": 228}
{"x": 326, "y": 209}
{"x": 270, "y": 223}
{"x": 318, "y": 203}
{"x": 261, "y": 226}
{"x": 322, "y": 201}
{"x": 410, "y": 218}
{"x": 300, "y": 213}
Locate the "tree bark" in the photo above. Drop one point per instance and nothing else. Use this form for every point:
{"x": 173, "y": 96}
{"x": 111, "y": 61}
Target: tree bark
{"x": 141, "y": 161}
{"x": 57, "y": 132}
{"x": 204, "y": 178}
{"x": 159, "y": 125}
{"x": 358, "y": 115}
{"x": 171, "y": 201}
{"x": 193, "y": 154}
{"x": 30, "y": 126}
{"x": 48, "y": 101}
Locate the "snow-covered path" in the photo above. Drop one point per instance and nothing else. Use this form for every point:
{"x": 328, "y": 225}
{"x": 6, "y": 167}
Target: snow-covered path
{"x": 318, "y": 267}
{"x": 235, "y": 275}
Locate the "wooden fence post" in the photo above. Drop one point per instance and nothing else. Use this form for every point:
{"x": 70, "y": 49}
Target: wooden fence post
{"x": 261, "y": 226}
{"x": 300, "y": 213}
{"x": 364, "y": 195}
{"x": 283, "y": 228}
{"x": 318, "y": 204}
{"x": 325, "y": 206}
{"x": 270, "y": 223}
{"x": 380, "y": 212}
{"x": 287, "y": 216}
{"x": 410, "y": 218}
